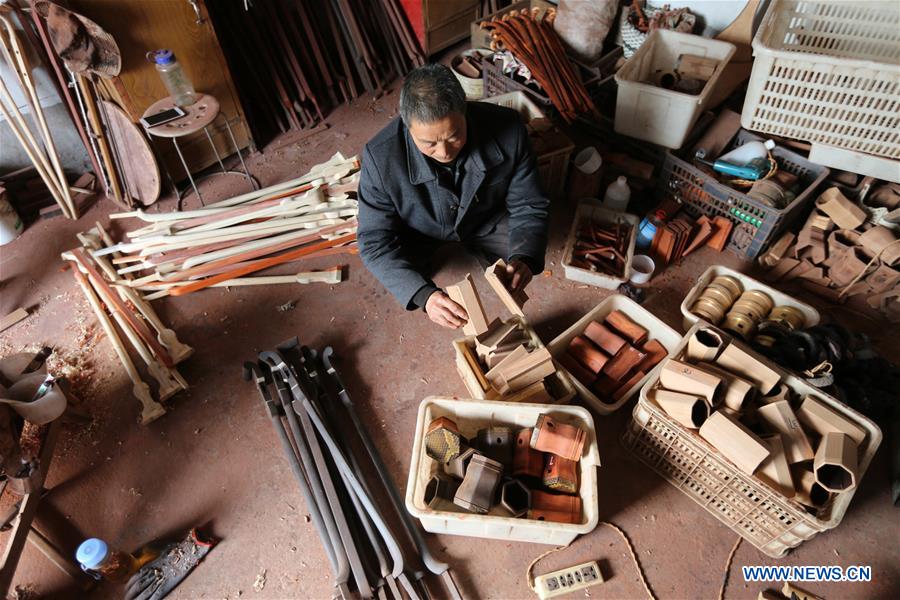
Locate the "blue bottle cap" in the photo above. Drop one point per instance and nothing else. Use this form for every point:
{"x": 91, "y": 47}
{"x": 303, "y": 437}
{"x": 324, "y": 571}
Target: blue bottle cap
{"x": 91, "y": 553}
{"x": 162, "y": 57}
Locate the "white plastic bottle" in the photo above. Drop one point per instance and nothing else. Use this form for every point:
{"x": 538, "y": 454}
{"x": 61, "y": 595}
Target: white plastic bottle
{"x": 744, "y": 153}
{"x": 617, "y": 195}
{"x": 173, "y": 76}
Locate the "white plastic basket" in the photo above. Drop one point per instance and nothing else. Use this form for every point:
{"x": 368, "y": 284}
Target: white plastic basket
{"x": 748, "y": 283}
{"x": 750, "y": 507}
{"x": 590, "y": 210}
{"x": 658, "y": 330}
{"x": 654, "y": 114}
{"x": 828, "y": 72}
{"x": 472, "y": 415}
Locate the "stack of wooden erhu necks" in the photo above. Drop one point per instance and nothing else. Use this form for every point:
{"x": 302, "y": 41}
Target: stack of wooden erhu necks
{"x": 42, "y": 154}
{"x": 294, "y": 60}
{"x": 533, "y": 41}
{"x": 183, "y": 252}
{"x": 313, "y": 215}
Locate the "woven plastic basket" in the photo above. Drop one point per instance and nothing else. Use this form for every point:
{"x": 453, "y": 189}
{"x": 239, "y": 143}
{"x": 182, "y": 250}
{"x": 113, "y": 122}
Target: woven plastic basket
{"x": 754, "y": 510}
{"x": 828, "y": 72}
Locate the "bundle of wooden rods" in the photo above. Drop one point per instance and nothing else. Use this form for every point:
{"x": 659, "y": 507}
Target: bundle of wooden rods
{"x": 183, "y": 252}
{"x": 533, "y": 41}
{"x": 293, "y": 60}
{"x": 43, "y": 154}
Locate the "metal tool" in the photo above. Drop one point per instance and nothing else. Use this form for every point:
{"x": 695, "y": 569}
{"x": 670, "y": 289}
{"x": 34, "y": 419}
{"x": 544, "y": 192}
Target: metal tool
{"x": 431, "y": 563}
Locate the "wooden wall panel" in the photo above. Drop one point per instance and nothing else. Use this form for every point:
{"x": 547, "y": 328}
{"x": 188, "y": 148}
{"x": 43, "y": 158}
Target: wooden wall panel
{"x": 140, "y": 26}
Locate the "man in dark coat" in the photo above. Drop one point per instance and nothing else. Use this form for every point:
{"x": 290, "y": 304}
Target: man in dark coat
{"x": 447, "y": 170}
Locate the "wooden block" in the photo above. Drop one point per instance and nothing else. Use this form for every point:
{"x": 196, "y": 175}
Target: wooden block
{"x": 12, "y": 318}
{"x": 836, "y": 463}
{"x": 476, "y": 367}
{"x": 845, "y": 213}
{"x": 587, "y": 354}
{"x": 815, "y": 416}
{"x": 778, "y": 250}
{"x": 692, "y": 66}
{"x": 623, "y": 363}
{"x": 721, "y": 233}
{"x": 718, "y": 135}
{"x": 497, "y": 334}
{"x": 741, "y": 363}
{"x": 576, "y": 370}
{"x": 739, "y": 445}
{"x": 493, "y": 376}
{"x": 466, "y": 295}
{"x": 536, "y": 393}
{"x": 625, "y": 387}
{"x": 701, "y": 235}
{"x": 689, "y": 410}
{"x": 623, "y": 324}
{"x": 778, "y": 417}
{"x": 681, "y": 377}
{"x": 497, "y": 278}
{"x": 775, "y": 470}
{"x": 654, "y": 352}
{"x": 535, "y": 367}
{"x": 605, "y": 387}
{"x": 605, "y": 339}
{"x": 784, "y": 266}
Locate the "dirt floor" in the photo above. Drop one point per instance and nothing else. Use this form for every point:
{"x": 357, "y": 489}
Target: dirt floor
{"x": 214, "y": 459}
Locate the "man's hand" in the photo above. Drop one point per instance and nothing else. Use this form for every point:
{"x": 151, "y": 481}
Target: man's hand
{"x": 518, "y": 275}
{"x": 444, "y": 311}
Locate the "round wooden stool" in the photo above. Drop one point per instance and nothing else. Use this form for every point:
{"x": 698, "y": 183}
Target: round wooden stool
{"x": 199, "y": 115}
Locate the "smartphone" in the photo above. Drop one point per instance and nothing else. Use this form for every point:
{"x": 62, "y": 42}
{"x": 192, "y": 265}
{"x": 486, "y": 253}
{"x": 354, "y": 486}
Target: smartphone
{"x": 162, "y": 117}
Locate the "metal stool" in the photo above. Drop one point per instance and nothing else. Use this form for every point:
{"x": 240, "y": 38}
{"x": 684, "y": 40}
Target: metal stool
{"x": 200, "y": 115}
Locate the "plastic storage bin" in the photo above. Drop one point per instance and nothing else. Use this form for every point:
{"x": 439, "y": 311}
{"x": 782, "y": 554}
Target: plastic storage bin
{"x": 471, "y": 415}
{"x": 752, "y": 509}
{"x": 591, "y": 210}
{"x": 779, "y": 298}
{"x": 755, "y": 224}
{"x": 658, "y": 330}
{"x": 654, "y": 114}
{"x": 828, "y": 72}
{"x": 553, "y": 160}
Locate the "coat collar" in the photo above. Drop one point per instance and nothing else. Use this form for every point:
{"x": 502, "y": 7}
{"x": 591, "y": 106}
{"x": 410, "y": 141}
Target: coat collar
{"x": 483, "y": 154}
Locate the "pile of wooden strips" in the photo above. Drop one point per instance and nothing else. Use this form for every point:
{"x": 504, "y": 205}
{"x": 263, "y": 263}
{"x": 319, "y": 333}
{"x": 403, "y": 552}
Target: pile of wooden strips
{"x": 156, "y": 344}
{"x": 218, "y": 245}
{"x": 294, "y": 61}
{"x": 532, "y": 40}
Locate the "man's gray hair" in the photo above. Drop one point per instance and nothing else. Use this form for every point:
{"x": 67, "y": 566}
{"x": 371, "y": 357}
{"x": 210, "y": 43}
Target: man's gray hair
{"x": 429, "y": 94}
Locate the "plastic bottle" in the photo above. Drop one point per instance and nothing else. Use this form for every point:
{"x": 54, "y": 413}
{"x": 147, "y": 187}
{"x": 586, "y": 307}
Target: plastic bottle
{"x": 173, "y": 76}
{"x": 617, "y": 195}
{"x": 647, "y": 229}
{"x": 744, "y": 153}
{"x": 99, "y": 560}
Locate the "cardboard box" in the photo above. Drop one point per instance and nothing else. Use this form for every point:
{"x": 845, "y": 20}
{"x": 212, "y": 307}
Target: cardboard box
{"x": 778, "y": 417}
{"x": 817, "y": 417}
{"x": 689, "y": 410}
{"x": 682, "y": 377}
{"x": 836, "y": 463}
{"x": 775, "y": 470}
{"x": 740, "y": 362}
{"x": 739, "y": 445}
{"x": 705, "y": 345}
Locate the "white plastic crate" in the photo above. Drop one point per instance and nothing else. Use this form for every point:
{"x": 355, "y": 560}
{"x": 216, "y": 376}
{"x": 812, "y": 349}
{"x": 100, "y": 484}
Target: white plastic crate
{"x": 828, "y": 72}
{"x": 748, "y": 283}
{"x": 472, "y": 415}
{"x": 751, "y": 508}
{"x": 658, "y": 330}
{"x": 591, "y": 211}
{"x": 654, "y": 114}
